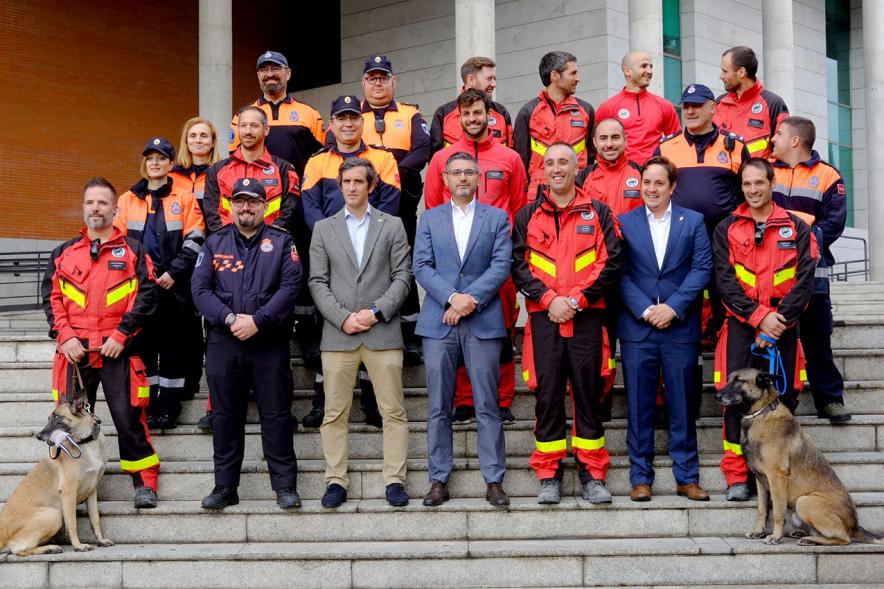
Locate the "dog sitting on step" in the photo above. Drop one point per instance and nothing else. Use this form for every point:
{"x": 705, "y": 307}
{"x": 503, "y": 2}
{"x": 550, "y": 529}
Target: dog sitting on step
{"x": 49, "y": 495}
{"x": 789, "y": 468}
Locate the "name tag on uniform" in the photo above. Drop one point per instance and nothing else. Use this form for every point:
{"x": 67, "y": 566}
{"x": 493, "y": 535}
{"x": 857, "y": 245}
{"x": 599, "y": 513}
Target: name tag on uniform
{"x": 586, "y": 229}
{"x": 494, "y": 175}
{"x": 632, "y": 194}
{"x": 116, "y": 265}
{"x": 757, "y": 123}
{"x": 577, "y": 123}
{"x": 785, "y": 245}
{"x": 269, "y": 181}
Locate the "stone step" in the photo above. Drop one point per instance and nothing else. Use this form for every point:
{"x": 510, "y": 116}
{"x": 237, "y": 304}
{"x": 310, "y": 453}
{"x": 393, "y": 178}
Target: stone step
{"x": 586, "y": 561}
{"x": 186, "y": 442}
{"x": 191, "y": 480}
{"x": 18, "y": 409}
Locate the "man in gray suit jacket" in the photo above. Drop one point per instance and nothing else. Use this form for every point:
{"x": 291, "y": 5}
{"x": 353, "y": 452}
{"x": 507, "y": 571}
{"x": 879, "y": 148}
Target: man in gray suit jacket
{"x": 359, "y": 277}
{"x": 462, "y": 256}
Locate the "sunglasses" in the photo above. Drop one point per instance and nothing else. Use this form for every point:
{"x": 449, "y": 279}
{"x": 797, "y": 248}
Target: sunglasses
{"x": 759, "y": 233}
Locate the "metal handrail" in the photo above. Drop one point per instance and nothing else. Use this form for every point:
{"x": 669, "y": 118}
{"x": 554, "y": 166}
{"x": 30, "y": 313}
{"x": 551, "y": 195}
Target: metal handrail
{"x": 864, "y": 271}
{"x": 20, "y": 276}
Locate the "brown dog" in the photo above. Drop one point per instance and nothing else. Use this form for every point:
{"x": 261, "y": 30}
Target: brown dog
{"x": 49, "y": 495}
{"x": 789, "y": 468}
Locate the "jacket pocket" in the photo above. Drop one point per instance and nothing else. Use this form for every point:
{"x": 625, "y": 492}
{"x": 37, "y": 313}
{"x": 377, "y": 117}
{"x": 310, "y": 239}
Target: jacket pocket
{"x": 139, "y": 388}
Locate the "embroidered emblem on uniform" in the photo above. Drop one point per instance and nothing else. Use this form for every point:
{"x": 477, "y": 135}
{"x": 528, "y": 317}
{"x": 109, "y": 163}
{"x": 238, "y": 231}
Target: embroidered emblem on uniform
{"x": 230, "y": 136}
{"x": 176, "y": 208}
{"x": 266, "y": 245}
{"x": 269, "y": 170}
{"x": 575, "y": 113}
{"x": 199, "y": 258}
{"x": 631, "y": 182}
{"x": 756, "y": 108}
{"x": 587, "y": 215}
{"x": 245, "y": 182}
{"x": 295, "y": 256}
{"x": 347, "y": 99}
{"x": 156, "y": 141}
{"x": 399, "y": 124}
{"x": 377, "y": 59}
{"x": 294, "y": 116}
{"x": 722, "y": 157}
{"x": 623, "y": 113}
{"x": 492, "y": 121}
{"x": 786, "y": 232}
{"x": 691, "y": 89}
{"x": 813, "y": 182}
{"x": 425, "y": 128}
{"x": 118, "y": 252}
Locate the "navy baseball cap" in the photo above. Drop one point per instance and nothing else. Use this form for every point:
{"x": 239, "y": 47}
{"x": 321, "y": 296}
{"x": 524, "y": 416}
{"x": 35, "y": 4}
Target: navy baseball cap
{"x": 348, "y": 103}
{"x": 249, "y": 187}
{"x": 378, "y": 63}
{"x": 272, "y": 57}
{"x": 160, "y": 145}
{"x": 696, "y": 94}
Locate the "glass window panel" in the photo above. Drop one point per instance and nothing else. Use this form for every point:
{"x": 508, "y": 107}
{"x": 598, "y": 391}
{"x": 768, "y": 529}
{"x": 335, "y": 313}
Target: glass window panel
{"x": 672, "y": 79}
{"x": 671, "y": 28}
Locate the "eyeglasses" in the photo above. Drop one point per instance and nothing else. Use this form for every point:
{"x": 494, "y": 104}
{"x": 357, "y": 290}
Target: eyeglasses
{"x": 469, "y": 173}
{"x": 377, "y": 80}
{"x": 268, "y": 69}
{"x": 252, "y": 202}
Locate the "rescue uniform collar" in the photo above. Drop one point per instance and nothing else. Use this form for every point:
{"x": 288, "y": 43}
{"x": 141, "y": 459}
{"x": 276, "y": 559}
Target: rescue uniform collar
{"x": 778, "y": 215}
{"x": 614, "y": 166}
{"x": 484, "y": 145}
{"x": 265, "y": 159}
{"x": 704, "y": 139}
{"x": 362, "y": 149}
{"x": 751, "y": 93}
{"x": 248, "y": 242}
{"x": 580, "y": 201}
{"x": 814, "y": 160}
{"x": 556, "y": 106}
{"x": 366, "y": 107}
{"x": 142, "y": 191}
{"x": 116, "y": 238}
{"x": 287, "y": 100}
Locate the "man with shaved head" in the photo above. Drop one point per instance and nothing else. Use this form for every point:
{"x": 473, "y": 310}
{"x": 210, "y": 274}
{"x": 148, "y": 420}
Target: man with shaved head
{"x": 645, "y": 117}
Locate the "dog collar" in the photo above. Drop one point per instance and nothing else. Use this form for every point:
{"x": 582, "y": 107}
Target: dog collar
{"x": 765, "y": 409}
{"x": 96, "y": 430}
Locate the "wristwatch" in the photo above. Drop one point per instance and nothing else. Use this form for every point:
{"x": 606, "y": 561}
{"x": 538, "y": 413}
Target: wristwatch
{"x": 574, "y": 304}
{"x": 377, "y": 313}
{"x": 230, "y": 319}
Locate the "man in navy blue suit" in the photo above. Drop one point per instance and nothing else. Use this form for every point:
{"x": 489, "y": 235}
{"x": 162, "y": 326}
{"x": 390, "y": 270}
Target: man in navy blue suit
{"x": 667, "y": 264}
{"x": 462, "y": 256}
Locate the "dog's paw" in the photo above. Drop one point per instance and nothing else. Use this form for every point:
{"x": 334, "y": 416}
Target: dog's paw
{"x": 54, "y": 550}
{"x": 755, "y": 534}
{"x": 105, "y": 543}
{"x": 806, "y": 541}
{"x": 798, "y": 534}
{"x": 84, "y": 548}
{"x": 772, "y": 540}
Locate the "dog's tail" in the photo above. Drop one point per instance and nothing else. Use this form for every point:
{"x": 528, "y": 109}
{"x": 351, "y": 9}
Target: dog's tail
{"x": 863, "y": 535}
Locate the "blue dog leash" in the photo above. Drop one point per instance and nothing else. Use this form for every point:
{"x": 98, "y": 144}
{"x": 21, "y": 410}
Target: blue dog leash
{"x": 776, "y": 369}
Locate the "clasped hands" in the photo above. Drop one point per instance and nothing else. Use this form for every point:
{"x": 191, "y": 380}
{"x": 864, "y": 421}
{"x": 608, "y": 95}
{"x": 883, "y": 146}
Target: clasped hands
{"x": 73, "y": 349}
{"x": 773, "y": 326}
{"x": 660, "y": 315}
{"x": 359, "y": 321}
{"x": 460, "y": 305}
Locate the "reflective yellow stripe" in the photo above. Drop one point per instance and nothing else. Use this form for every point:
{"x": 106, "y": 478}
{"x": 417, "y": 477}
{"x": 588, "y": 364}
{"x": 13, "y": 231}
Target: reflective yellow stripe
{"x": 732, "y": 448}
{"x": 122, "y": 291}
{"x": 525, "y": 376}
{"x": 706, "y": 294}
{"x": 543, "y": 264}
{"x": 55, "y": 395}
{"x": 612, "y": 363}
{"x": 144, "y": 392}
{"x": 71, "y": 292}
{"x": 137, "y": 465}
{"x": 580, "y": 145}
{"x": 716, "y": 376}
{"x": 584, "y": 260}
{"x": 557, "y": 446}
{"x": 757, "y": 145}
{"x": 225, "y": 203}
{"x": 585, "y": 444}
{"x": 538, "y": 147}
{"x": 783, "y": 275}
{"x": 744, "y": 274}
{"x": 802, "y": 375}
{"x": 272, "y": 207}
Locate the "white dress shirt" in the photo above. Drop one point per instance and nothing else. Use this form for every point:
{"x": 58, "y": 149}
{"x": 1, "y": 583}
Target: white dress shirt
{"x": 660, "y": 232}
{"x": 463, "y": 222}
{"x": 358, "y": 230}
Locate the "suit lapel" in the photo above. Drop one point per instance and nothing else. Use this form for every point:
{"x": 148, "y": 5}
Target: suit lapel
{"x": 448, "y": 223}
{"x": 375, "y": 224}
{"x": 478, "y": 221}
{"x": 676, "y": 223}
{"x": 644, "y": 231}
{"x": 340, "y": 225}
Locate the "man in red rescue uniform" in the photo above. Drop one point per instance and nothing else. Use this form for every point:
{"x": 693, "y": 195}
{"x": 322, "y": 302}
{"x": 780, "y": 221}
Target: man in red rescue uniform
{"x": 765, "y": 258}
{"x": 555, "y": 115}
{"x": 565, "y": 256}
{"x": 98, "y": 292}
{"x": 502, "y": 183}
{"x": 748, "y": 109}
{"x": 476, "y": 72}
{"x": 646, "y": 117}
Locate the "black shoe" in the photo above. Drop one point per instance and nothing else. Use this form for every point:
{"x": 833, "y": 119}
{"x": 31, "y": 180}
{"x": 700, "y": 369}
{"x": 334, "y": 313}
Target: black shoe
{"x": 152, "y": 422}
{"x": 413, "y": 354}
{"x": 334, "y": 496}
{"x": 288, "y": 498}
{"x": 145, "y": 498}
{"x": 373, "y": 418}
{"x": 506, "y": 416}
{"x": 314, "y": 418}
{"x": 396, "y": 495}
{"x": 463, "y": 414}
{"x": 294, "y": 422}
{"x": 220, "y": 497}
{"x": 206, "y": 422}
{"x": 164, "y": 421}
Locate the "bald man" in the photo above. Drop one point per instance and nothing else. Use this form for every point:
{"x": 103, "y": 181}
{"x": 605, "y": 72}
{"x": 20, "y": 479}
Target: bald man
{"x": 645, "y": 117}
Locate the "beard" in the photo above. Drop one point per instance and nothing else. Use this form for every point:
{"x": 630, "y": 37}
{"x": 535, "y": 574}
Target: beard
{"x": 98, "y": 222}
{"x": 247, "y": 221}
{"x": 274, "y": 88}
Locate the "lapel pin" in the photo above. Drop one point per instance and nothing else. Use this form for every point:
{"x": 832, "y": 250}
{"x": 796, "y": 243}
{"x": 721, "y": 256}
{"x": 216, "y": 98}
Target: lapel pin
{"x": 681, "y": 218}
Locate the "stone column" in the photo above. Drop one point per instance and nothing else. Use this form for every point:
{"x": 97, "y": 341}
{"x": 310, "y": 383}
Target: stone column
{"x": 779, "y": 49}
{"x": 873, "y": 57}
{"x": 474, "y": 32}
{"x": 646, "y": 34}
{"x": 216, "y": 64}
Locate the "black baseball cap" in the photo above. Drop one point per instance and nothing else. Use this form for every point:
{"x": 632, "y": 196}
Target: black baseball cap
{"x": 272, "y": 57}
{"x": 696, "y": 94}
{"x": 346, "y": 103}
{"x": 160, "y": 145}
{"x": 378, "y": 63}
{"x": 249, "y": 187}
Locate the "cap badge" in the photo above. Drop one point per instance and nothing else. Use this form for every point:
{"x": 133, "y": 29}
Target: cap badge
{"x": 156, "y": 141}
{"x": 268, "y": 54}
{"x": 347, "y": 99}
{"x": 377, "y": 59}
{"x": 691, "y": 89}
{"x": 245, "y": 182}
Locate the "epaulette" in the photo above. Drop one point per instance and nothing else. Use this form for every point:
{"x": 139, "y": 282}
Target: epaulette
{"x": 407, "y": 103}
{"x": 668, "y": 137}
{"x": 381, "y": 147}
{"x": 321, "y": 150}
{"x": 282, "y": 230}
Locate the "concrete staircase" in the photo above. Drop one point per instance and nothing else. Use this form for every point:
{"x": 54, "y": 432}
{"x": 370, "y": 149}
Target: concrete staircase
{"x": 465, "y": 543}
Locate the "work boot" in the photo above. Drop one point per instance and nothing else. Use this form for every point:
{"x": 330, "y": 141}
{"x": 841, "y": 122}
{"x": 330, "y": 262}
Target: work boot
{"x": 206, "y": 422}
{"x": 463, "y": 414}
{"x": 145, "y": 497}
{"x": 314, "y": 418}
{"x": 550, "y": 492}
{"x": 506, "y": 416}
{"x": 288, "y": 497}
{"x": 220, "y": 497}
{"x": 835, "y": 413}
{"x": 164, "y": 422}
{"x": 737, "y": 492}
{"x": 594, "y": 491}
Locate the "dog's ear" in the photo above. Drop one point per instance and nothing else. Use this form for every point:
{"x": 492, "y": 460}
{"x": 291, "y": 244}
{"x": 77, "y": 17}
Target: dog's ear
{"x": 762, "y": 381}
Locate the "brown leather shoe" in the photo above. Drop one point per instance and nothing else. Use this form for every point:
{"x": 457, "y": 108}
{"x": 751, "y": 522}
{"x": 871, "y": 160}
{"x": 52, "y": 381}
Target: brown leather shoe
{"x": 496, "y": 496}
{"x": 437, "y": 496}
{"x": 692, "y": 491}
{"x": 640, "y": 493}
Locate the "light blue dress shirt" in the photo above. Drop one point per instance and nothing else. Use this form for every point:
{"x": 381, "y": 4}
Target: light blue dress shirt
{"x": 358, "y": 230}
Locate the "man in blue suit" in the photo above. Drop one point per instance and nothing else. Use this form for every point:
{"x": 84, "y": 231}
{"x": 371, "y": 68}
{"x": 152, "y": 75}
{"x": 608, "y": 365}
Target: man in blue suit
{"x": 668, "y": 263}
{"x": 462, "y": 256}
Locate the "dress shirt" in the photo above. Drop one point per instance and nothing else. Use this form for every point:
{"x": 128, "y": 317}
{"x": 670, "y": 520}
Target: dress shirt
{"x": 358, "y": 230}
{"x": 463, "y": 222}
{"x": 659, "y": 236}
